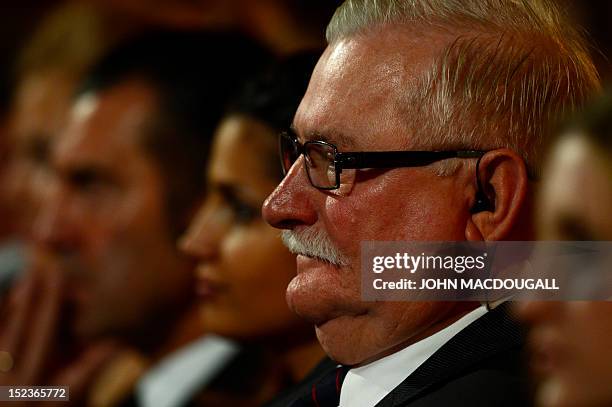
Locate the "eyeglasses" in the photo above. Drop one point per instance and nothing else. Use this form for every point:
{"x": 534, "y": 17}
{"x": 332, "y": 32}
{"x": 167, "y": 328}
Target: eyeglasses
{"x": 325, "y": 165}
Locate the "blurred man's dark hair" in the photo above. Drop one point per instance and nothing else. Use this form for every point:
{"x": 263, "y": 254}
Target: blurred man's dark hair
{"x": 193, "y": 74}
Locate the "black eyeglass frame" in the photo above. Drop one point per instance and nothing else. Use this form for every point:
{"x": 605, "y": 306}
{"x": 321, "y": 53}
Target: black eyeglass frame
{"x": 371, "y": 159}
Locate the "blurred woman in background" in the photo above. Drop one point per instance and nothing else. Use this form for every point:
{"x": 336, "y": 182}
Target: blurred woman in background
{"x": 243, "y": 268}
{"x": 571, "y": 342}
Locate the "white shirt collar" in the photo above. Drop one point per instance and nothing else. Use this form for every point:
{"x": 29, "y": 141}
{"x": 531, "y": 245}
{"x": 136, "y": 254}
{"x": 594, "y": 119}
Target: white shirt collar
{"x": 182, "y": 374}
{"x": 367, "y": 385}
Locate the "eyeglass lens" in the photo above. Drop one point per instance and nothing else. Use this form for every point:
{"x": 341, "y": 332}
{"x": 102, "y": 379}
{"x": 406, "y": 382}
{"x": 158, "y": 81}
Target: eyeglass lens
{"x": 319, "y": 160}
{"x": 320, "y": 165}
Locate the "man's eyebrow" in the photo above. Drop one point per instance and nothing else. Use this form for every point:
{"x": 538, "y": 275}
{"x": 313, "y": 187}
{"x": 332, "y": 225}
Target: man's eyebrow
{"x": 336, "y": 138}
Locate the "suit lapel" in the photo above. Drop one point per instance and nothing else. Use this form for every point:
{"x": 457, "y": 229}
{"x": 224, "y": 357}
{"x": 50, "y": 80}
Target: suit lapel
{"x": 493, "y": 333}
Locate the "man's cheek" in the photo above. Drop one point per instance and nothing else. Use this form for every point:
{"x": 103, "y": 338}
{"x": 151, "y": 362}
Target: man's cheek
{"x": 343, "y": 226}
{"x": 98, "y": 236}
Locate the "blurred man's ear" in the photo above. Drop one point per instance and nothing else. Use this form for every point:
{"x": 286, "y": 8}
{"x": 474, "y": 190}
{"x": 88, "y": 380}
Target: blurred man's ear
{"x": 500, "y": 208}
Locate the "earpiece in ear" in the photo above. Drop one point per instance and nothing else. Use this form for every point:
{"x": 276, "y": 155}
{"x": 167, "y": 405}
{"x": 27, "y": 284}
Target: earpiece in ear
{"x": 482, "y": 203}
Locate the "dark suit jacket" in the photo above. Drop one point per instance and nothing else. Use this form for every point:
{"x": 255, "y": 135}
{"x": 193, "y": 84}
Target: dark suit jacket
{"x": 287, "y": 397}
{"x": 481, "y": 366}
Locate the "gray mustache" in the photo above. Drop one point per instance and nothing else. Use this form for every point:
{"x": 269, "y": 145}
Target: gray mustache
{"x": 313, "y": 243}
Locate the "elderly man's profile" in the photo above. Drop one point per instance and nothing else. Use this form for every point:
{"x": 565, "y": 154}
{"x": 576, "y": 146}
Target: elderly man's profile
{"x": 424, "y": 76}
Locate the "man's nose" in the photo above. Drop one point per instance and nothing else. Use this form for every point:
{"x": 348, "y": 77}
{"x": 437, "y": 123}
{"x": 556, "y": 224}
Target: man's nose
{"x": 52, "y": 226}
{"x": 291, "y": 204}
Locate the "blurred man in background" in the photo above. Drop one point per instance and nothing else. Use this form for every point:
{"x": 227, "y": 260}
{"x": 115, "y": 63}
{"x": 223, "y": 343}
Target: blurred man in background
{"x": 127, "y": 172}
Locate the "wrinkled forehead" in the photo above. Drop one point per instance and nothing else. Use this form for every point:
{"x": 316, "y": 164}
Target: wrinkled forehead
{"x": 355, "y": 93}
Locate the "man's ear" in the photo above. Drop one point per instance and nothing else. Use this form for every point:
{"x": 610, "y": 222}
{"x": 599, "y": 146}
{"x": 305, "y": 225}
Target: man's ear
{"x": 504, "y": 185}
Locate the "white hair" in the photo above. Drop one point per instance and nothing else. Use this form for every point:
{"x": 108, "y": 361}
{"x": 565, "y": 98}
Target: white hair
{"x": 518, "y": 63}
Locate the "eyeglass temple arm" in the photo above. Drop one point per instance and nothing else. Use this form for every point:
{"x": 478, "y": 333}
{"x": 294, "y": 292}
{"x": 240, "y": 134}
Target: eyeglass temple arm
{"x": 394, "y": 159}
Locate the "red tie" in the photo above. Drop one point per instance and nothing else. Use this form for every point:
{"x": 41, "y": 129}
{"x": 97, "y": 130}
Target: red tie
{"x": 326, "y": 391}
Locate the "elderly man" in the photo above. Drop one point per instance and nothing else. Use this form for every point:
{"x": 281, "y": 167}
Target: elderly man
{"x": 404, "y": 76}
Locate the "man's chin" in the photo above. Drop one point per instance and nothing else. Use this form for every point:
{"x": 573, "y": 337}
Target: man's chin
{"x": 343, "y": 342}
{"x": 320, "y": 287}
{"x": 83, "y": 329}
{"x": 85, "y": 325}
{"x": 315, "y": 298}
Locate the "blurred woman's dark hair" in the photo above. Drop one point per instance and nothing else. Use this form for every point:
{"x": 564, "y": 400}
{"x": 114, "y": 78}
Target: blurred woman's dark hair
{"x": 273, "y": 96}
{"x": 193, "y": 74}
